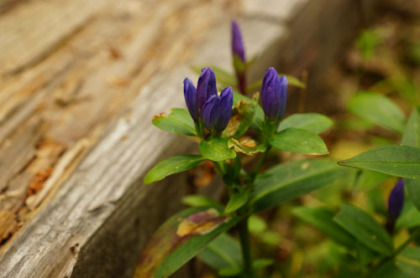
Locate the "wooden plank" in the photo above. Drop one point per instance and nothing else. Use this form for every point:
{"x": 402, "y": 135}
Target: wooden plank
{"x": 88, "y": 91}
{"x": 69, "y": 97}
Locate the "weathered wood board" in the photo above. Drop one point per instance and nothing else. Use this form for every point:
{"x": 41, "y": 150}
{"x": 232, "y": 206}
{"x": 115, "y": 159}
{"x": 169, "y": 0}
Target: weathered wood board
{"x": 79, "y": 83}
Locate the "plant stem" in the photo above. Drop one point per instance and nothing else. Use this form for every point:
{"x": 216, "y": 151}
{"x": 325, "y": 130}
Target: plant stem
{"x": 407, "y": 242}
{"x": 398, "y": 250}
{"x": 259, "y": 165}
{"x": 246, "y": 247}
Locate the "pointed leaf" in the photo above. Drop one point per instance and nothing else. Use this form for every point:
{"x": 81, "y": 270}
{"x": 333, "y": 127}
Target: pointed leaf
{"x": 363, "y": 227}
{"x": 411, "y": 136}
{"x": 377, "y": 109}
{"x": 179, "y": 121}
{"x": 237, "y": 201}
{"x": 223, "y": 252}
{"x": 173, "y": 165}
{"x": 216, "y": 149}
{"x": 297, "y": 140}
{"x": 238, "y": 65}
{"x": 399, "y": 161}
{"x": 262, "y": 263}
{"x": 181, "y": 238}
{"x": 201, "y": 201}
{"x": 312, "y": 122}
{"x": 322, "y": 218}
{"x": 413, "y": 188}
{"x": 293, "y": 179}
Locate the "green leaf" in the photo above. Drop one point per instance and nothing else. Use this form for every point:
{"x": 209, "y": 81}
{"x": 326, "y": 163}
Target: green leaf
{"x": 256, "y": 224}
{"x": 377, "y": 109}
{"x": 230, "y": 271}
{"x": 399, "y": 161}
{"x": 201, "y": 201}
{"x": 411, "y": 136}
{"x": 216, "y": 149}
{"x": 297, "y": 140}
{"x": 376, "y": 201}
{"x": 238, "y": 65}
{"x": 413, "y": 188}
{"x": 364, "y": 254}
{"x": 406, "y": 265}
{"x": 179, "y": 121}
{"x": 258, "y": 118}
{"x": 262, "y": 263}
{"x": 322, "y": 218}
{"x": 367, "y": 43}
{"x": 293, "y": 179}
{"x": 312, "y": 122}
{"x": 223, "y": 77}
{"x": 223, "y": 252}
{"x": 237, "y": 200}
{"x": 363, "y": 227}
{"x": 368, "y": 180}
{"x": 292, "y": 81}
{"x": 181, "y": 238}
{"x": 173, "y": 165}
{"x": 236, "y": 270}
{"x": 410, "y": 216}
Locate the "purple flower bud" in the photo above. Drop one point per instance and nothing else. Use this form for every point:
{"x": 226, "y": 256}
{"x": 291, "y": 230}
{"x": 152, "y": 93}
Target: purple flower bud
{"x": 237, "y": 43}
{"x": 226, "y": 102}
{"x": 396, "y": 200}
{"x": 211, "y": 112}
{"x": 190, "y": 96}
{"x": 217, "y": 110}
{"x": 273, "y": 95}
{"x": 206, "y": 87}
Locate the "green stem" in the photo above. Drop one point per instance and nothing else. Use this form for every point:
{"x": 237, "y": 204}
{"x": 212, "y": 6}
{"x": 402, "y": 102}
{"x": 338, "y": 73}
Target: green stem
{"x": 220, "y": 168}
{"x": 259, "y": 165}
{"x": 398, "y": 250}
{"x": 246, "y": 247}
{"x": 407, "y": 242}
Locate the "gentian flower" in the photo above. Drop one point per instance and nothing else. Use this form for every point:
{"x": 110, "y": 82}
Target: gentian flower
{"x": 239, "y": 61}
{"x": 237, "y": 42}
{"x": 206, "y": 107}
{"x": 206, "y": 87}
{"x": 396, "y": 200}
{"x": 190, "y": 95}
{"x": 217, "y": 110}
{"x": 274, "y": 95}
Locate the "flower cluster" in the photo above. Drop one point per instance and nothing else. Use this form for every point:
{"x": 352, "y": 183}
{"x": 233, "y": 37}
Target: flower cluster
{"x": 205, "y": 105}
